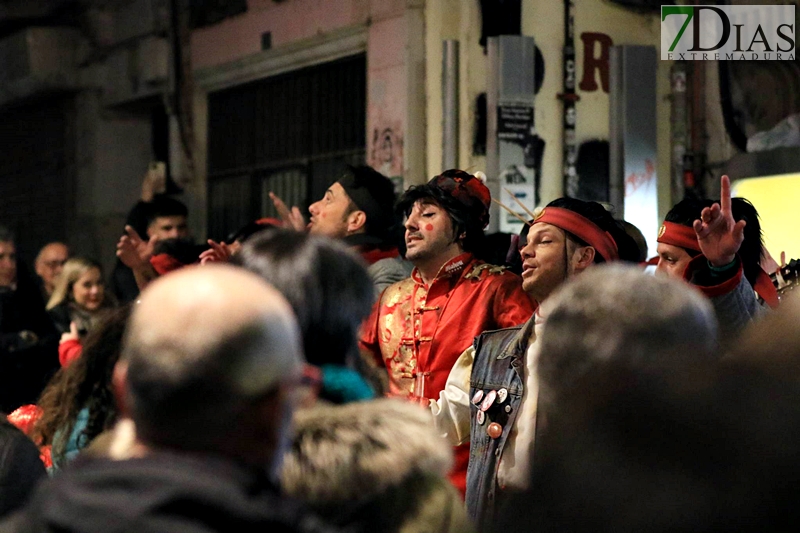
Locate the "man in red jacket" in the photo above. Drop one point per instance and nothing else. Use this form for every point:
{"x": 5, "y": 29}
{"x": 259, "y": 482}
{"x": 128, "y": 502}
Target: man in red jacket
{"x": 422, "y": 324}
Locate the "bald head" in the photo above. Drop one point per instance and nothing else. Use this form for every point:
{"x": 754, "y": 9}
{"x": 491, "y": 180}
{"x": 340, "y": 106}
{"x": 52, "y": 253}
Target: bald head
{"x": 203, "y": 347}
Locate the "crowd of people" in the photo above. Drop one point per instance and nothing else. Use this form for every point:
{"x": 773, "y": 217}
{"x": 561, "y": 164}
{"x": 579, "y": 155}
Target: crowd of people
{"x": 368, "y": 370}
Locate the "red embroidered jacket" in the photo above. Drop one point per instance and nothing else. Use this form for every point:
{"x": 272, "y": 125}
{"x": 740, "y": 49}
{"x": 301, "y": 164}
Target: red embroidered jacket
{"x": 419, "y": 331}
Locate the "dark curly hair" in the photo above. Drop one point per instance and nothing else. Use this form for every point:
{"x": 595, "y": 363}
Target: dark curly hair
{"x": 687, "y": 211}
{"x": 86, "y": 383}
{"x": 465, "y": 219}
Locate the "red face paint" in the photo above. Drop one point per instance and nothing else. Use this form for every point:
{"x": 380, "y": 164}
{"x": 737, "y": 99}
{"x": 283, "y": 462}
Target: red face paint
{"x": 429, "y": 227}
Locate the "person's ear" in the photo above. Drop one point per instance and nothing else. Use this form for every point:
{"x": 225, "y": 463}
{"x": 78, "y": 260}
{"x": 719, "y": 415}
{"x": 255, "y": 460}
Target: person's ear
{"x": 119, "y": 384}
{"x": 356, "y": 221}
{"x": 583, "y": 258}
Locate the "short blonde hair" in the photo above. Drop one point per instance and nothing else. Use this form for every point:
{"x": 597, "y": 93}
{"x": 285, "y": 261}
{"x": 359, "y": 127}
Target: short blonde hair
{"x": 74, "y": 268}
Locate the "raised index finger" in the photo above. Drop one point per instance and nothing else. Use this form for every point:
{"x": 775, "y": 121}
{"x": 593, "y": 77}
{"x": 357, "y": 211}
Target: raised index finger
{"x": 725, "y": 194}
{"x": 280, "y": 207}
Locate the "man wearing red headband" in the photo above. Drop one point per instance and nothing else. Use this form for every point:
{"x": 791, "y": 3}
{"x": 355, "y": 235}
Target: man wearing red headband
{"x": 717, "y": 247}
{"x": 490, "y": 398}
{"x": 421, "y": 325}
{"x": 677, "y": 241}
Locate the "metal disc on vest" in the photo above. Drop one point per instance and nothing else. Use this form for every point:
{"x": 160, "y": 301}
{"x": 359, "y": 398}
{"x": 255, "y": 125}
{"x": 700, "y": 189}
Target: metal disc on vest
{"x": 502, "y": 394}
{"x": 476, "y": 399}
{"x": 489, "y": 400}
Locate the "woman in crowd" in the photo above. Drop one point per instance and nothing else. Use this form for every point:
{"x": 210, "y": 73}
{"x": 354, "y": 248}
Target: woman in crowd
{"x": 78, "y": 404}
{"x": 79, "y": 296}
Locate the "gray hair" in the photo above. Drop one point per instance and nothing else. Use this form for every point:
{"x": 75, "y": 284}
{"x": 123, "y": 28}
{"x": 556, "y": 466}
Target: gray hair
{"x": 615, "y": 314}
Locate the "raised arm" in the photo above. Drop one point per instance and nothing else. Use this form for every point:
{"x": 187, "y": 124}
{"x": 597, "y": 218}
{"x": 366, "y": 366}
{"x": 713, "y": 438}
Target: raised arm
{"x": 718, "y": 234}
{"x": 292, "y": 217}
{"x": 135, "y": 253}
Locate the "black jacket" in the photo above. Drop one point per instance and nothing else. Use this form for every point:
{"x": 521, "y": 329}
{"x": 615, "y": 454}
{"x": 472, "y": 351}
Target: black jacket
{"x": 162, "y": 492}
{"x": 26, "y": 362}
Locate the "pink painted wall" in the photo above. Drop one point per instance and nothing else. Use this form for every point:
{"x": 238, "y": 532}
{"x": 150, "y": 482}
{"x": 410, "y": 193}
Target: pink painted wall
{"x": 387, "y": 96}
{"x": 288, "y": 21}
{"x": 296, "y": 20}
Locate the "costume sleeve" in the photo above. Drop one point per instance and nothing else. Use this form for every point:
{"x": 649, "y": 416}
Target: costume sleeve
{"x": 733, "y": 298}
{"x": 369, "y": 343}
{"x": 68, "y": 351}
{"x": 512, "y": 305}
{"x": 451, "y": 412}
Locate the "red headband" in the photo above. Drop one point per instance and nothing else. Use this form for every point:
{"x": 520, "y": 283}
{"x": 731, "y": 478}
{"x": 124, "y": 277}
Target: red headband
{"x": 581, "y": 227}
{"x": 678, "y": 235}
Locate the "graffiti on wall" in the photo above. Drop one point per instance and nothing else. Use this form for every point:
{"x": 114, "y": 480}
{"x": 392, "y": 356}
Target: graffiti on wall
{"x": 386, "y": 152}
{"x": 638, "y": 180}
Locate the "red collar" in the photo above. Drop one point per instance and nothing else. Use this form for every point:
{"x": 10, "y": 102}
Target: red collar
{"x": 374, "y": 255}
{"x": 451, "y": 268}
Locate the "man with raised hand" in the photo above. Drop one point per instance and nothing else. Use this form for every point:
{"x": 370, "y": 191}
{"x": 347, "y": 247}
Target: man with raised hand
{"x": 358, "y": 208}
{"x": 706, "y": 246}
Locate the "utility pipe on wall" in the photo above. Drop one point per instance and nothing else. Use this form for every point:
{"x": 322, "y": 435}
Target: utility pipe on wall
{"x": 450, "y": 77}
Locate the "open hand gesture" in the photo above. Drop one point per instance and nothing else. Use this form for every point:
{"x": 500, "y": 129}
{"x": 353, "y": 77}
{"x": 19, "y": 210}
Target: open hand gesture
{"x": 133, "y": 251}
{"x": 218, "y": 253}
{"x": 292, "y": 218}
{"x": 719, "y": 236}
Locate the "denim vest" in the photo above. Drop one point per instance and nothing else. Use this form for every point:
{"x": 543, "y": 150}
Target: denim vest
{"x": 499, "y": 363}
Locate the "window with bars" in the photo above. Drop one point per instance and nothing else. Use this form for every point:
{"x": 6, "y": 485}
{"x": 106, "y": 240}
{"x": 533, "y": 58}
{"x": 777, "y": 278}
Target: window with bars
{"x": 291, "y": 134}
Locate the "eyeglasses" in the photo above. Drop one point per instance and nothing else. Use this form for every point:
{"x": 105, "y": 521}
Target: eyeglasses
{"x": 55, "y": 263}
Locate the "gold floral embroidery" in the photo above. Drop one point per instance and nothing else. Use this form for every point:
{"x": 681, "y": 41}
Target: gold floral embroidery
{"x": 477, "y": 270}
